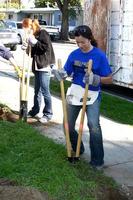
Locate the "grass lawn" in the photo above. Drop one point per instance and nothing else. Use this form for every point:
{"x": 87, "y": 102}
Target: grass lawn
{"x": 33, "y": 160}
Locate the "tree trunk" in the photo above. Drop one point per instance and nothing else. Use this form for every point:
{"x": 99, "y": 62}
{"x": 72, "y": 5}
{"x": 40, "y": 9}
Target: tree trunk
{"x": 64, "y": 24}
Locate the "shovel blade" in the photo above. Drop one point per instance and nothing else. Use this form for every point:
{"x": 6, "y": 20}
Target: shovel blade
{"x": 23, "y": 111}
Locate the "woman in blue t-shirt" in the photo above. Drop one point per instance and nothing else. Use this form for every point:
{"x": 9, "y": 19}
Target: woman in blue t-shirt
{"x": 76, "y": 66}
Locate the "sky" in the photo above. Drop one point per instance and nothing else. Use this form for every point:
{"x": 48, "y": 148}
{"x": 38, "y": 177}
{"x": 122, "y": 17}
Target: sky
{"x": 28, "y": 3}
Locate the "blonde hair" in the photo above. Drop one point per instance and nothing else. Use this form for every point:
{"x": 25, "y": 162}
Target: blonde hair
{"x": 36, "y": 26}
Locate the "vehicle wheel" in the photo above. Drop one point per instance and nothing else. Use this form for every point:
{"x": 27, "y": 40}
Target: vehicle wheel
{"x": 52, "y": 38}
{"x": 13, "y": 48}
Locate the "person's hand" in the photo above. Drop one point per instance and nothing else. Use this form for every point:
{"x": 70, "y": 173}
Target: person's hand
{"x": 59, "y": 74}
{"x": 24, "y": 45}
{"x": 19, "y": 71}
{"x": 86, "y": 78}
{"x": 91, "y": 79}
{"x": 32, "y": 40}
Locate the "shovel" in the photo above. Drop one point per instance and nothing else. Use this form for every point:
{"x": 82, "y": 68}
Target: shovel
{"x": 66, "y": 127}
{"x": 24, "y": 86}
{"x": 89, "y": 66}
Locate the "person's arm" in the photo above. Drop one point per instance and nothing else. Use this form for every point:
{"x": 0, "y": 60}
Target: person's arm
{"x": 105, "y": 71}
{"x": 6, "y": 54}
{"x": 95, "y": 80}
{"x": 106, "y": 80}
{"x": 103, "y": 76}
{"x": 41, "y": 43}
{"x": 17, "y": 69}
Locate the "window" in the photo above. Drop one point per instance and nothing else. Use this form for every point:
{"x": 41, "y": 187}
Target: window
{"x": 19, "y": 25}
{"x": 10, "y": 16}
{"x": 59, "y": 17}
{"x": 42, "y": 22}
{"x": 11, "y": 24}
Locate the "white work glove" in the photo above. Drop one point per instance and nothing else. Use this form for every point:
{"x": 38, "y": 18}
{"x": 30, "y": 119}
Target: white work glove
{"x": 91, "y": 79}
{"x": 32, "y": 40}
{"x": 59, "y": 74}
{"x": 24, "y": 45}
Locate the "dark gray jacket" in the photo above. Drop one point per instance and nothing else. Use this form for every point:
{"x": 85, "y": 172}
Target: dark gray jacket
{"x": 42, "y": 52}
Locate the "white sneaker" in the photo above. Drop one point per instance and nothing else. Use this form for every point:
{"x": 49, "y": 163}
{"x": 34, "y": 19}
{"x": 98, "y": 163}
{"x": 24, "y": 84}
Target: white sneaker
{"x": 43, "y": 120}
{"x": 38, "y": 116}
{"x": 98, "y": 168}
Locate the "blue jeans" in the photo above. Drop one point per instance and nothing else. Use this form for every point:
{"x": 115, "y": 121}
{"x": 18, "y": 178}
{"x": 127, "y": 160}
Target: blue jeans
{"x": 42, "y": 82}
{"x": 96, "y": 141}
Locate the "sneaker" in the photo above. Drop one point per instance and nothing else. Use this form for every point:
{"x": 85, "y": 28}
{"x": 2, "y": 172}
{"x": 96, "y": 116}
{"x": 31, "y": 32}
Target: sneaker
{"x": 30, "y": 114}
{"x": 43, "y": 120}
{"x": 97, "y": 167}
{"x": 38, "y": 116}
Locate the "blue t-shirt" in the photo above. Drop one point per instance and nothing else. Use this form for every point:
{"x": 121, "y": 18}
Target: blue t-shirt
{"x": 76, "y": 65}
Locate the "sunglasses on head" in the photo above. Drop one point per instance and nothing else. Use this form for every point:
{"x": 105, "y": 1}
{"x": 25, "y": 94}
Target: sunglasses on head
{"x": 80, "y": 30}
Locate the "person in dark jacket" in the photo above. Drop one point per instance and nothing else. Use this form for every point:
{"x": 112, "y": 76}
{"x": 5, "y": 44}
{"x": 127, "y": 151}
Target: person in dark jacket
{"x": 43, "y": 56}
{"x": 6, "y": 54}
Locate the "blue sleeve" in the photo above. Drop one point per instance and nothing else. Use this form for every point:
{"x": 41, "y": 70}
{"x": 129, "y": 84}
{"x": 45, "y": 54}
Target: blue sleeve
{"x": 68, "y": 67}
{"x": 5, "y": 53}
{"x": 105, "y": 69}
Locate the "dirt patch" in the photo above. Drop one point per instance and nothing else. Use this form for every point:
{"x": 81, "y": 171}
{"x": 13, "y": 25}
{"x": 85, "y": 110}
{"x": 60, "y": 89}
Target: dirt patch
{"x": 112, "y": 194}
{"x": 8, "y": 191}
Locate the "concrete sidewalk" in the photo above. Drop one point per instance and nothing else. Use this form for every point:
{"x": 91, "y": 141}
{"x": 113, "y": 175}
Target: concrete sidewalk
{"x": 118, "y": 138}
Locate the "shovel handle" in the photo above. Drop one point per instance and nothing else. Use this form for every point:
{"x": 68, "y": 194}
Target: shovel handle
{"x": 66, "y": 127}
{"x": 89, "y": 66}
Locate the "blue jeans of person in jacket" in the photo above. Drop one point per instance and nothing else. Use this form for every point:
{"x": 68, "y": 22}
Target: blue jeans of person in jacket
{"x": 42, "y": 83}
{"x": 96, "y": 141}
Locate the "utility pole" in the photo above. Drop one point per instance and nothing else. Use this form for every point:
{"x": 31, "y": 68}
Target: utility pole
{"x": 19, "y": 2}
